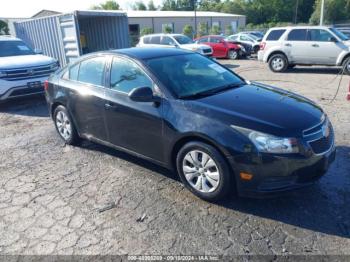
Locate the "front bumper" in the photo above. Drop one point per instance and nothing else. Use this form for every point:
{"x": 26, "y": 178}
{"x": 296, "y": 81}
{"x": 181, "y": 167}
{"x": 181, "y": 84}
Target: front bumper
{"x": 273, "y": 175}
{"x": 14, "y": 89}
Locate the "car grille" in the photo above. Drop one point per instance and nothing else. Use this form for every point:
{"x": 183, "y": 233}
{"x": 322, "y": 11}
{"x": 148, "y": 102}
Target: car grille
{"x": 207, "y": 51}
{"x": 321, "y": 137}
{"x": 29, "y": 73}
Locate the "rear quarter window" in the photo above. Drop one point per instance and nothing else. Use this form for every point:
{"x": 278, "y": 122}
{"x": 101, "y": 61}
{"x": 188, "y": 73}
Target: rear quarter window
{"x": 275, "y": 35}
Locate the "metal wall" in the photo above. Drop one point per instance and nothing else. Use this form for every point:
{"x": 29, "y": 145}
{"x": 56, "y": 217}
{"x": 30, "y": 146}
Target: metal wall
{"x": 104, "y": 30}
{"x": 43, "y": 34}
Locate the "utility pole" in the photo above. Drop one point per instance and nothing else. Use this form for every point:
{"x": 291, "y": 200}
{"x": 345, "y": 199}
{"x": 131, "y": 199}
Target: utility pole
{"x": 296, "y": 12}
{"x": 322, "y": 12}
{"x": 195, "y": 17}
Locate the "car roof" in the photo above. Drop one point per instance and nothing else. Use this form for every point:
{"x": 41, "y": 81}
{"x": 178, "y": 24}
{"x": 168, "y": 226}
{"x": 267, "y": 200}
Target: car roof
{"x": 162, "y": 34}
{"x": 302, "y": 27}
{"x": 144, "y": 53}
{"x": 9, "y": 38}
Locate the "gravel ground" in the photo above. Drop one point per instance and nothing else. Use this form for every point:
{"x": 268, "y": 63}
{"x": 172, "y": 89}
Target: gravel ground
{"x": 57, "y": 199}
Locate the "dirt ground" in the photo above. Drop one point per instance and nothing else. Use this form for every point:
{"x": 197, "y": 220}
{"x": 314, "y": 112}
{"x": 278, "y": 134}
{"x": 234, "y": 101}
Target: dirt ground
{"x": 57, "y": 199}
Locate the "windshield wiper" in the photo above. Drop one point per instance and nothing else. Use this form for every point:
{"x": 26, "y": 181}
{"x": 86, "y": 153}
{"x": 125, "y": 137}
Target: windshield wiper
{"x": 212, "y": 91}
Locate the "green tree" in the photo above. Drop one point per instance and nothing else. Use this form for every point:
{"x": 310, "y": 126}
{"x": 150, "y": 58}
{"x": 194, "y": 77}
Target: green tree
{"x": 4, "y": 30}
{"x": 335, "y": 10}
{"x": 177, "y": 5}
{"x": 151, "y": 6}
{"x": 215, "y": 30}
{"x": 188, "y": 30}
{"x": 202, "y": 29}
{"x": 146, "y": 31}
{"x": 108, "y": 5}
{"x": 139, "y": 5}
{"x": 228, "y": 30}
{"x": 167, "y": 29}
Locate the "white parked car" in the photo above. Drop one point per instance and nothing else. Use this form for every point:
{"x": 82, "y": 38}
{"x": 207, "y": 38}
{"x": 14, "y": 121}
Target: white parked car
{"x": 174, "y": 40}
{"x": 22, "y": 70}
{"x": 285, "y": 47}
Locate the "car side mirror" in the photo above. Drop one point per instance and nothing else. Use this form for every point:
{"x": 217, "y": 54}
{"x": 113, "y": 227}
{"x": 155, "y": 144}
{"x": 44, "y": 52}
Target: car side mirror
{"x": 333, "y": 39}
{"x": 143, "y": 94}
{"x": 38, "y": 51}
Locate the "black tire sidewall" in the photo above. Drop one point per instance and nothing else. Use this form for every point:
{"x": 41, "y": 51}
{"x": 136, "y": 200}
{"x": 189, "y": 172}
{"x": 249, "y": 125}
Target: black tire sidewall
{"x": 224, "y": 170}
{"x": 346, "y": 68}
{"x": 74, "y": 136}
{"x": 285, "y": 63}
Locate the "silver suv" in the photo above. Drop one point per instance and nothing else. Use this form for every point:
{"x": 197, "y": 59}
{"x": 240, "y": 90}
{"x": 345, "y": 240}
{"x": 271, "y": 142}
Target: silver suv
{"x": 285, "y": 47}
{"x": 22, "y": 70}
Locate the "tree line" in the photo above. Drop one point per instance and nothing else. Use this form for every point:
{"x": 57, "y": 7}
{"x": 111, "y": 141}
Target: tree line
{"x": 258, "y": 12}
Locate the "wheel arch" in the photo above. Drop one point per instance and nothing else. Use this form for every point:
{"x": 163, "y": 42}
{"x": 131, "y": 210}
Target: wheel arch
{"x": 194, "y": 138}
{"x": 275, "y": 53}
{"x": 347, "y": 56}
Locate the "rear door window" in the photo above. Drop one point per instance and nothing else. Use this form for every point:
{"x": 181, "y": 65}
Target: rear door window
{"x": 275, "y": 35}
{"x": 320, "y": 35}
{"x": 91, "y": 71}
{"x": 155, "y": 40}
{"x": 297, "y": 35}
{"x": 215, "y": 40}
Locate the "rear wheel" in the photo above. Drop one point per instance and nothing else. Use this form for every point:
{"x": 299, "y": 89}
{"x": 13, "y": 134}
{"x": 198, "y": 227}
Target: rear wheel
{"x": 232, "y": 54}
{"x": 64, "y": 126}
{"x": 278, "y": 63}
{"x": 203, "y": 171}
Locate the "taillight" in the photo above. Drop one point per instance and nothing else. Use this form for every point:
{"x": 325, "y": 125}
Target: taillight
{"x": 262, "y": 45}
{"x": 348, "y": 97}
{"x": 46, "y": 85}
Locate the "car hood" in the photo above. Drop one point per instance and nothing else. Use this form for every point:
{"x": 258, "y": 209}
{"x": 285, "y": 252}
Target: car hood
{"x": 191, "y": 46}
{"x": 24, "y": 61}
{"x": 262, "y": 108}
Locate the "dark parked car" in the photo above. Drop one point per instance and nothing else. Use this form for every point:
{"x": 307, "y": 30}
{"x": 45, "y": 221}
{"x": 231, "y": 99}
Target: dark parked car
{"x": 179, "y": 109}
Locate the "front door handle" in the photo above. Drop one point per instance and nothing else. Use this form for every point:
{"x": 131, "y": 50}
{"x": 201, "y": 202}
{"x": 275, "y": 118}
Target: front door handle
{"x": 109, "y": 106}
{"x": 315, "y": 45}
{"x": 288, "y": 45}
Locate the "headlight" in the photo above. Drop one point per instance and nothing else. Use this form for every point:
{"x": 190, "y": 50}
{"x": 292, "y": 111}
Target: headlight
{"x": 242, "y": 48}
{"x": 3, "y": 74}
{"x": 270, "y": 144}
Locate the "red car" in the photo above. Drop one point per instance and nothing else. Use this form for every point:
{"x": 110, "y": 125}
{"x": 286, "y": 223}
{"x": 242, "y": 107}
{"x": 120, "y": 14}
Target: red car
{"x": 221, "y": 48}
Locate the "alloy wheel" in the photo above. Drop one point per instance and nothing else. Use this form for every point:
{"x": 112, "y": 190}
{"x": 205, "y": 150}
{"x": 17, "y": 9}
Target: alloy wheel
{"x": 277, "y": 64}
{"x": 63, "y": 124}
{"x": 201, "y": 171}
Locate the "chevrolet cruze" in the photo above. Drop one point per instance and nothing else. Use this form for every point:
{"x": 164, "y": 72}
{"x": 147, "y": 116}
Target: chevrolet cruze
{"x": 220, "y": 133}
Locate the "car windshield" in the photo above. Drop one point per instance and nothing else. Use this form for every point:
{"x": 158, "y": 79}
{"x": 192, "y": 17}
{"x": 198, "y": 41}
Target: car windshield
{"x": 339, "y": 34}
{"x": 193, "y": 75}
{"x": 183, "y": 40}
{"x": 14, "y": 48}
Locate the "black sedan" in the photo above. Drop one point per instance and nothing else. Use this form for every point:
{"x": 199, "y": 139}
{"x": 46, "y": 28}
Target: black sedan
{"x": 221, "y": 133}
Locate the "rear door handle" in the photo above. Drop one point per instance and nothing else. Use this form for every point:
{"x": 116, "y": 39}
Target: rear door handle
{"x": 109, "y": 106}
{"x": 315, "y": 45}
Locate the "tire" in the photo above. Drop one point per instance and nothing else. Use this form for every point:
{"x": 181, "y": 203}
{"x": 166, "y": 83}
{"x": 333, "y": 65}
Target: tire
{"x": 210, "y": 180}
{"x": 256, "y": 49}
{"x": 65, "y": 126}
{"x": 232, "y": 54}
{"x": 346, "y": 66}
{"x": 278, "y": 63}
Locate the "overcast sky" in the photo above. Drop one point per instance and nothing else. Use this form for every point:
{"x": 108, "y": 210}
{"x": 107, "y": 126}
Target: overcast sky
{"x": 27, "y": 8}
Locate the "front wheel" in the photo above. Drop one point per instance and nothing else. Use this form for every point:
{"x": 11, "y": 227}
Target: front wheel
{"x": 232, "y": 54}
{"x": 278, "y": 63}
{"x": 203, "y": 171}
{"x": 64, "y": 126}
